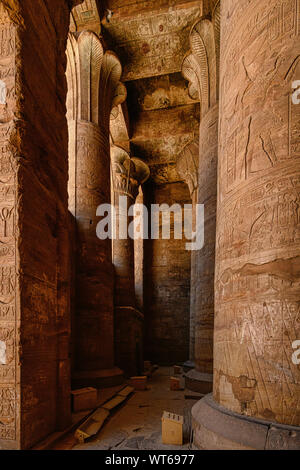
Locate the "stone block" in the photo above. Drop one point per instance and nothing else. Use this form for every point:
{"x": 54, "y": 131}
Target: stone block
{"x": 174, "y": 383}
{"x": 84, "y": 399}
{"x": 139, "y": 383}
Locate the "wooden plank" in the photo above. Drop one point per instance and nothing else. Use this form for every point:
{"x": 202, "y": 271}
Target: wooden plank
{"x": 92, "y": 425}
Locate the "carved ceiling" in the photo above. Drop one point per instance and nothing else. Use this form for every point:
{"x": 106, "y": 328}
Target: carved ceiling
{"x": 151, "y": 39}
{"x": 152, "y": 43}
{"x": 86, "y": 16}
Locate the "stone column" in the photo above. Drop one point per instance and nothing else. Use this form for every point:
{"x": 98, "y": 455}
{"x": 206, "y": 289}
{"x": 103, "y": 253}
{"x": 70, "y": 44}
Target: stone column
{"x": 200, "y": 68}
{"x": 127, "y": 175}
{"x": 187, "y": 168}
{"x": 256, "y": 380}
{"x": 139, "y": 260}
{"x": 34, "y": 271}
{"x": 94, "y": 88}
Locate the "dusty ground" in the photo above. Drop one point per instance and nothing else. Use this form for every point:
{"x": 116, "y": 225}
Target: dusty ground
{"x": 137, "y": 424}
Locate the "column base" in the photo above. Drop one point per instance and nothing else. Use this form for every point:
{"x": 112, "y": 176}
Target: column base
{"x": 188, "y": 365}
{"x": 129, "y": 340}
{"x": 199, "y": 382}
{"x": 217, "y": 428}
{"x": 101, "y": 378}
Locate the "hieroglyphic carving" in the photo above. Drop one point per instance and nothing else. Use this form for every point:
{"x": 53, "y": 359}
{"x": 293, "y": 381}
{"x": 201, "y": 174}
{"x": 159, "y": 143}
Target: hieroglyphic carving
{"x": 7, "y": 412}
{"x": 7, "y": 41}
{"x": 294, "y": 113}
{"x": 252, "y": 150}
{"x": 85, "y": 16}
{"x": 7, "y": 230}
{"x": 258, "y": 239}
{"x": 155, "y": 44}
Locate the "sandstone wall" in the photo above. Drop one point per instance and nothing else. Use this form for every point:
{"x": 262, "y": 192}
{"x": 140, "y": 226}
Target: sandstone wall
{"x": 34, "y": 267}
{"x": 167, "y": 302}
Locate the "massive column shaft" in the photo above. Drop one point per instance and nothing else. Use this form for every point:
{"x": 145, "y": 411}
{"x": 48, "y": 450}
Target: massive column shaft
{"x": 200, "y": 67}
{"x": 258, "y": 235}
{"x": 127, "y": 174}
{"x": 34, "y": 271}
{"x": 258, "y": 262}
{"x": 205, "y": 258}
{"x": 94, "y": 88}
{"x": 187, "y": 167}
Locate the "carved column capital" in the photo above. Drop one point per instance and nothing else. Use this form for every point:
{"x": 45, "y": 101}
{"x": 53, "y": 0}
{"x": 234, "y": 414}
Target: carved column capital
{"x": 94, "y": 86}
{"x": 112, "y": 91}
{"x": 187, "y": 165}
{"x": 200, "y": 65}
{"x": 127, "y": 173}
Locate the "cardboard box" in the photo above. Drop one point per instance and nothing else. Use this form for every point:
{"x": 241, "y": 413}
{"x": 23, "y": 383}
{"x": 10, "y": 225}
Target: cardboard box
{"x": 172, "y": 429}
{"x": 177, "y": 370}
{"x": 84, "y": 399}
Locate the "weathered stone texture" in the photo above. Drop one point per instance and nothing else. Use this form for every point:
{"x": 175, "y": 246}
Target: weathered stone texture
{"x": 187, "y": 167}
{"x": 34, "y": 316}
{"x": 167, "y": 266}
{"x": 157, "y": 44}
{"x": 257, "y": 270}
{"x": 200, "y": 67}
{"x": 139, "y": 273}
{"x": 94, "y": 89}
{"x": 205, "y": 258}
{"x": 127, "y": 176}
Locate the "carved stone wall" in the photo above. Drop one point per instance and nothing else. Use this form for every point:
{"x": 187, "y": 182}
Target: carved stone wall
{"x": 34, "y": 270}
{"x": 258, "y": 263}
{"x": 167, "y": 290}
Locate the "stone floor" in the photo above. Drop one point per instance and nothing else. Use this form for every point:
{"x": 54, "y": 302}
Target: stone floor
{"x": 137, "y": 424}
